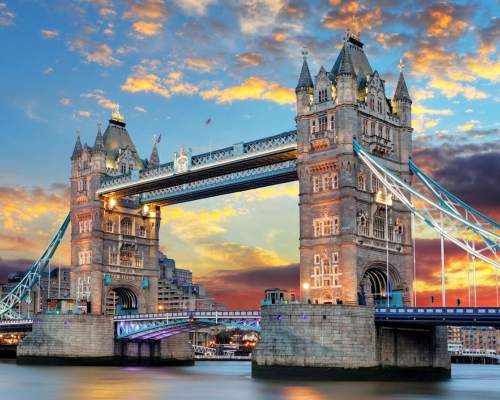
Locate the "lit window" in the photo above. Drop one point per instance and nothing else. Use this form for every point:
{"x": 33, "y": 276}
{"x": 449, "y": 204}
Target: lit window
{"x": 327, "y": 182}
{"x": 335, "y": 257}
{"x": 316, "y": 259}
{"x": 126, "y": 226}
{"x": 336, "y": 225}
{"x": 318, "y": 227}
{"x": 322, "y": 123}
{"x": 142, "y": 231}
{"x": 138, "y": 260}
{"x": 109, "y": 226}
{"x": 335, "y": 180}
{"x": 327, "y": 227}
{"x": 316, "y": 184}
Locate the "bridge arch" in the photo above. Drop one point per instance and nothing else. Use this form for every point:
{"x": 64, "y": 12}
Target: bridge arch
{"x": 373, "y": 283}
{"x": 123, "y": 298}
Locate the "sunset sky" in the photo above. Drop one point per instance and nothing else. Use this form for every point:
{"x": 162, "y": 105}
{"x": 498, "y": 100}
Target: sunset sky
{"x": 171, "y": 65}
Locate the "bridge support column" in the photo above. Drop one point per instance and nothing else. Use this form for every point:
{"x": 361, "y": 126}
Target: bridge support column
{"x": 175, "y": 350}
{"x": 341, "y": 342}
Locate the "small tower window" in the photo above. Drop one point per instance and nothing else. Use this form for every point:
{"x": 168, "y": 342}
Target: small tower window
{"x": 332, "y": 123}
{"x": 322, "y": 123}
{"x": 109, "y": 226}
{"x": 372, "y": 104}
{"x": 126, "y": 226}
{"x": 361, "y": 182}
{"x": 322, "y": 95}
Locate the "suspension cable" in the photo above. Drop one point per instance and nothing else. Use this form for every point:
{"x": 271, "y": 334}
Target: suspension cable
{"x": 443, "y": 272}
{"x": 387, "y": 249}
{"x": 414, "y": 261}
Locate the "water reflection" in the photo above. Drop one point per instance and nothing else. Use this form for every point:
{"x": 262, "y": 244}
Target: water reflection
{"x": 226, "y": 380}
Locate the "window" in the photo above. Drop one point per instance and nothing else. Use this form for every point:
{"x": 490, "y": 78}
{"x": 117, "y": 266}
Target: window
{"x": 85, "y": 225}
{"x": 336, "y": 225}
{"x": 361, "y": 182}
{"x": 316, "y": 184}
{"x": 109, "y": 226}
{"x": 113, "y": 256}
{"x": 316, "y": 259}
{"x": 373, "y": 128}
{"x": 379, "y": 106}
{"x": 365, "y": 127}
{"x": 322, "y": 95}
{"x": 332, "y": 123}
{"x": 123, "y": 168}
{"x": 388, "y": 133}
{"x": 326, "y": 282}
{"x": 372, "y": 104}
{"x": 138, "y": 260}
{"x": 335, "y": 257}
{"x": 379, "y": 225}
{"x": 375, "y": 184}
{"x": 126, "y": 226}
{"x": 327, "y": 268}
{"x": 313, "y": 126}
{"x": 323, "y": 123}
{"x": 335, "y": 180}
{"x": 327, "y": 182}
{"x": 380, "y": 128}
{"x": 326, "y": 226}
{"x": 82, "y": 185}
{"x": 142, "y": 231}
{"x": 84, "y": 257}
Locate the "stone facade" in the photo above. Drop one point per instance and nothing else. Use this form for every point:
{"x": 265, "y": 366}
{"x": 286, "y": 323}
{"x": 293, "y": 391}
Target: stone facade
{"x": 114, "y": 242}
{"x": 343, "y": 228}
{"x": 342, "y": 342}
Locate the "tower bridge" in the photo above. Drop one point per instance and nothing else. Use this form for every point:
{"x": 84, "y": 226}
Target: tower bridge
{"x": 351, "y": 154}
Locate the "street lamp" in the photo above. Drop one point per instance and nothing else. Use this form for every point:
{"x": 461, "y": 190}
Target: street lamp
{"x": 305, "y": 296}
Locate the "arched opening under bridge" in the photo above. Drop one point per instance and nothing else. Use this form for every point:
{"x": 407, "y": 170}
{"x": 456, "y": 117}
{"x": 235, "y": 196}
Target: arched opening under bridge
{"x": 121, "y": 300}
{"x": 374, "y": 283}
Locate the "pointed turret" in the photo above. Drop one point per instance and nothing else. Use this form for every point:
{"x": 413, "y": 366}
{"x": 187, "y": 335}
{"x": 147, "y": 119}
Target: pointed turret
{"x": 154, "y": 158}
{"x": 78, "y": 146}
{"x": 401, "y": 92}
{"x": 401, "y": 101}
{"x": 99, "y": 140}
{"x": 346, "y": 67}
{"x": 305, "y": 81}
{"x": 305, "y": 87}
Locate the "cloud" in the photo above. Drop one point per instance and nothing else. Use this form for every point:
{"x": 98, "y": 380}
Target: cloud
{"x": 199, "y": 64}
{"x": 83, "y": 113}
{"x": 146, "y": 79}
{"x": 195, "y": 7}
{"x": 444, "y": 20}
{"x": 98, "y": 95}
{"x": 388, "y": 40}
{"x": 253, "y": 88}
{"x": 249, "y": 59}
{"x": 48, "y": 70}
{"x": 468, "y": 125}
{"x": 65, "y": 101}
{"x": 146, "y": 29}
{"x": 270, "y": 192}
{"x": 99, "y": 53}
{"x": 355, "y": 16}
{"x": 140, "y": 109}
{"x": 195, "y": 225}
{"x": 48, "y": 34}
{"x": 149, "y": 9}
{"x": 6, "y": 17}
{"x": 14, "y": 243}
{"x": 452, "y": 89}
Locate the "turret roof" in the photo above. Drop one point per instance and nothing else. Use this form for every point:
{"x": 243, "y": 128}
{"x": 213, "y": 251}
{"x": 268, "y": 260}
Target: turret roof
{"x": 305, "y": 80}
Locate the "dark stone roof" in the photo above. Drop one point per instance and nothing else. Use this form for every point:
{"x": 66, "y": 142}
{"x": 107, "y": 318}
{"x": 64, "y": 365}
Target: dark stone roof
{"x": 401, "y": 92}
{"x": 117, "y": 138}
{"x": 356, "y": 57}
{"x": 78, "y": 148}
{"x": 305, "y": 80}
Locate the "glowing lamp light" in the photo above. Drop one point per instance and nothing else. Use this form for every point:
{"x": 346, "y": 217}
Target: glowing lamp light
{"x": 145, "y": 210}
{"x": 112, "y": 203}
{"x": 305, "y": 286}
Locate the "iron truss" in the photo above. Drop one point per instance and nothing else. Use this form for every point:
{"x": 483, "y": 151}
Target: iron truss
{"x": 22, "y": 290}
{"x": 236, "y": 152}
{"x": 441, "y": 213}
{"x": 159, "y": 326}
{"x": 241, "y": 180}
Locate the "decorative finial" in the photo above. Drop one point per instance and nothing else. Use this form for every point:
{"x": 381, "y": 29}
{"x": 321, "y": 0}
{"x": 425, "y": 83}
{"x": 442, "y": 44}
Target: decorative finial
{"x": 99, "y": 125}
{"x": 347, "y": 35}
{"x": 78, "y": 133}
{"x": 304, "y": 52}
{"x": 401, "y": 65}
{"x": 116, "y": 116}
{"x": 156, "y": 139}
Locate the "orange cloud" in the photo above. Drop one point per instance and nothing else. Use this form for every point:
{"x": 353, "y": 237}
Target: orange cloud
{"x": 249, "y": 59}
{"x": 101, "y": 100}
{"x": 254, "y": 88}
{"x": 142, "y": 81}
{"x": 443, "y": 23}
{"x": 388, "y": 40}
{"x": 352, "y": 15}
{"x": 451, "y": 89}
{"x": 195, "y": 7}
{"x": 151, "y": 9}
{"x": 146, "y": 29}
{"x": 99, "y": 53}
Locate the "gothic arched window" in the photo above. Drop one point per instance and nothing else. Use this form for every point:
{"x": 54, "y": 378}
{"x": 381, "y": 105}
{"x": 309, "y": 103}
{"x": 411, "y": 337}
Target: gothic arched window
{"x": 126, "y": 226}
{"x": 361, "y": 182}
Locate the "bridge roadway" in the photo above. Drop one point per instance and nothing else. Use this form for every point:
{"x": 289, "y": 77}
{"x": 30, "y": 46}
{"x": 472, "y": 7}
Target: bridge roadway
{"x": 243, "y": 166}
{"x": 141, "y": 325}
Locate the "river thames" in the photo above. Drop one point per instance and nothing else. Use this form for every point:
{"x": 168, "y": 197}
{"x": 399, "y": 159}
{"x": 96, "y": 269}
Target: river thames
{"x": 226, "y": 380}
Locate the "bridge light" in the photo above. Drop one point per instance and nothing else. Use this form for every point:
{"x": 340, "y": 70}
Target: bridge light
{"x": 111, "y": 203}
{"x": 145, "y": 210}
{"x": 305, "y": 285}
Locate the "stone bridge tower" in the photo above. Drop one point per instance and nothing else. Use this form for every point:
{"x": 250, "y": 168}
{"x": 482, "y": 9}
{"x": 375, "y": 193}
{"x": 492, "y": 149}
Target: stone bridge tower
{"x": 343, "y": 226}
{"x": 114, "y": 241}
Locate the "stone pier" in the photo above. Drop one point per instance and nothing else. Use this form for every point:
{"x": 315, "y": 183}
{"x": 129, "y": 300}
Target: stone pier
{"x": 90, "y": 340}
{"x": 342, "y": 342}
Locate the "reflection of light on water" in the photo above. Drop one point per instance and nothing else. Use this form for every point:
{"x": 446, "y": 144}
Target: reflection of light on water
{"x": 302, "y": 393}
